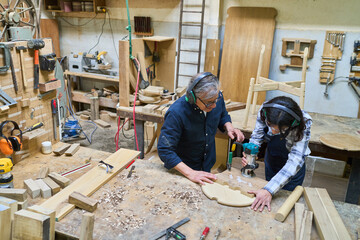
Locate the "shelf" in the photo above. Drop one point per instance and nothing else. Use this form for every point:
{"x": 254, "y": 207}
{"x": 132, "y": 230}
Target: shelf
{"x": 80, "y": 96}
{"x": 100, "y": 77}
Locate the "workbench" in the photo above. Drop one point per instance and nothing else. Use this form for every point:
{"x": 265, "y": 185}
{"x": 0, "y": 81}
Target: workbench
{"x": 322, "y": 124}
{"x": 153, "y": 199}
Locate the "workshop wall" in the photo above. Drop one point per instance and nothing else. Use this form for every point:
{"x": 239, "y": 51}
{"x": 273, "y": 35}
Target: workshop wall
{"x": 310, "y": 19}
{"x": 301, "y": 19}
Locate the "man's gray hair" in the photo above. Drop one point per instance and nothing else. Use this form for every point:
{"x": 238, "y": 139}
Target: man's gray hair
{"x": 207, "y": 88}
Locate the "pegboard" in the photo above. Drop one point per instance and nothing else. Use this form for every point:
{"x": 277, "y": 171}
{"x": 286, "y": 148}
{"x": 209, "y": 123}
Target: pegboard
{"x": 30, "y": 108}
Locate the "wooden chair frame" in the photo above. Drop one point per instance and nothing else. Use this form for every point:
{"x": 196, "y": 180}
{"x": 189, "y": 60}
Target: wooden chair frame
{"x": 261, "y": 84}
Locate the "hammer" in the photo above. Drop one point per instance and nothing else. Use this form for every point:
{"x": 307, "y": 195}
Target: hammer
{"x": 22, "y": 63}
{"x": 36, "y": 44}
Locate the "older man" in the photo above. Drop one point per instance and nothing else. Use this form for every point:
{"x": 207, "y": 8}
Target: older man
{"x": 187, "y": 139}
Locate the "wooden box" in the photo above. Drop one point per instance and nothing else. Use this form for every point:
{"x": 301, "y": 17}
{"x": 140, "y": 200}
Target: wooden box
{"x": 48, "y": 86}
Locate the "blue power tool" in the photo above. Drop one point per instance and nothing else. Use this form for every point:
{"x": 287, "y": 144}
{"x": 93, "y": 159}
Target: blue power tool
{"x": 251, "y": 150}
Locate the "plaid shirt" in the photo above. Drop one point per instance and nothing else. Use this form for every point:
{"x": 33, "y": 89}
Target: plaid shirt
{"x": 297, "y": 152}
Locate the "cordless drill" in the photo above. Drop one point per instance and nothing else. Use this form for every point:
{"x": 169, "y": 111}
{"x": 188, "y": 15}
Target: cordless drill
{"x": 251, "y": 150}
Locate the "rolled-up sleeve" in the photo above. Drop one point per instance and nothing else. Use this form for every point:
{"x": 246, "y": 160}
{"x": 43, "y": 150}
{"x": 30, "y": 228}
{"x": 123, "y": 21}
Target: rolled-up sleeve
{"x": 225, "y": 117}
{"x": 168, "y": 140}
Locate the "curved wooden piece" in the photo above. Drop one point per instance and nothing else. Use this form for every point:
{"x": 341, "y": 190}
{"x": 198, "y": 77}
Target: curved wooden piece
{"x": 341, "y": 141}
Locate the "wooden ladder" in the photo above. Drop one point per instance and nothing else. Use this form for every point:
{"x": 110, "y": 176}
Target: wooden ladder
{"x": 199, "y": 25}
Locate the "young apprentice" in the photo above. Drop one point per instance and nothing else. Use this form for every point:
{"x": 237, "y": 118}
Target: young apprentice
{"x": 187, "y": 138}
{"x": 286, "y": 129}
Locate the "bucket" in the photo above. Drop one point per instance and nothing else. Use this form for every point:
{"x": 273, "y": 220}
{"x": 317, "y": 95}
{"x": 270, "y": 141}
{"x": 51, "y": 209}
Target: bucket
{"x": 46, "y": 147}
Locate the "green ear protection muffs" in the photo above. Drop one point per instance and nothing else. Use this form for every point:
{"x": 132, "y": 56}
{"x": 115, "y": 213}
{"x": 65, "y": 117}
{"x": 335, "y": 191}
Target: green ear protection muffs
{"x": 296, "y": 117}
{"x": 190, "y": 95}
{"x": 11, "y": 144}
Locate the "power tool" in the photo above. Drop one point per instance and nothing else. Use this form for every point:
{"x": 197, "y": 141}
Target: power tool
{"x": 251, "y": 150}
{"x": 234, "y": 151}
{"x": 6, "y": 178}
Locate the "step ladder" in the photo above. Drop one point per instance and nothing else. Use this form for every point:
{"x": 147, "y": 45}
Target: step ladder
{"x": 180, "y": 63}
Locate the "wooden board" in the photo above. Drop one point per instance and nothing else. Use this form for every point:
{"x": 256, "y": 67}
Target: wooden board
{"x": 237, "y": 181}
{"x": 83, "y": 202}
{"x": 50, "y": 214}
{"x": 50, "y": 29}
{"x": 90, "y": 182}
{"x": 223, "y": 194}
{"x": 341, "y": 141}
{"x": 328, "y": 222}
{"x": 14, "y": 193}
{"x": 5, "y": 222}
{"x": 212, "y": 56}
{"x": 246, "y": 29}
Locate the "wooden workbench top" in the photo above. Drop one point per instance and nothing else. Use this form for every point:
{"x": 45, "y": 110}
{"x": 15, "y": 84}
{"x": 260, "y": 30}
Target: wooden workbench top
{"x": 153, "y": 199}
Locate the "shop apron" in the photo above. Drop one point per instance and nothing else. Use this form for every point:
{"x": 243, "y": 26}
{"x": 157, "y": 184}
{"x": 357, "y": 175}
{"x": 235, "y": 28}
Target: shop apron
{"x": 276, "y": 156}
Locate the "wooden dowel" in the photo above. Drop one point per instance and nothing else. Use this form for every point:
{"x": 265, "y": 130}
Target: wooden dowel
{"x": 285, "y": 209}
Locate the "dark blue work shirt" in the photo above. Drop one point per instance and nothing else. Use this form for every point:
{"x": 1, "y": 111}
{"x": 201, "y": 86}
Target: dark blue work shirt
{"x": 188, "y": 136}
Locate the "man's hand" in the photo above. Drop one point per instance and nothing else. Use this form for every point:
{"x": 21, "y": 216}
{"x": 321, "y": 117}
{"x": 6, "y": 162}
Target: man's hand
{"x": 200, "y": 177}
{"x": 195, "y": 176}
{"x": 234, "y": 132}
{"x": 263, "y": 198}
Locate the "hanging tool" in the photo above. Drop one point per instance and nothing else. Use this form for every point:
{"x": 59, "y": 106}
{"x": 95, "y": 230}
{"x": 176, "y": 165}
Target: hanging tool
{"x": 33, "y": 127}
{"x": 204, "y": 233}
{"x": 6, "y": 178}
{"x": 163, "y": 233}
{"x": 6, "y": 99}
{"x": 36, "y": 44}
{"x": 251, "y": 150}
{"x": 172, "y": 233}
{"x": 47, "y": 62}
{"x": 54, "y": 111}
{"x": 13, "y": 75}
{"x": 22, "y": 64}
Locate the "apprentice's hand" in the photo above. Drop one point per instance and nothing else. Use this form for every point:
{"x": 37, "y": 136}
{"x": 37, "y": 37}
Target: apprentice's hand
{"x": 201, "y": 177}
{"x": 263, "y": 198}
{"x": 243, "y": 160}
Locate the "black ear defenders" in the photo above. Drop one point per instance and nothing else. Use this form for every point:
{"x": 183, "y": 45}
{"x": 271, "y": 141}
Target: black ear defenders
{"x": 190, "y": 95}
{"x": 11, "y": 144}
{"x": 297, "y": 119}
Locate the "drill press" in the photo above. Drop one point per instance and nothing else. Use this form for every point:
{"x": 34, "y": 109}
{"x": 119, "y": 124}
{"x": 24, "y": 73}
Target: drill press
{"x": 251, "y": 150}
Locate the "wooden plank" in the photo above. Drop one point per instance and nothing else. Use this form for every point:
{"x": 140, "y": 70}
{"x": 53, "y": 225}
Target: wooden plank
{"x": 246, "y": 29}
{"x": 5, "y": 222}
{"x": 61, "y": 180}
{"x": 306, "y": 225}
{"x": 212, "y": 56}
{"x": 102, "y": 123}
{"x": 44, "y": 171}
{"x": 45, "y": 190}
{"x": 124, "y": 85}
{"x": 17, "y": 194}
{"x": 11, "y": 203}
{"x": 101, "y": 77}
{"x": 32, "y": 188}
{"x": 87, "y": 226}
{"x": 83, "y": 202}
{"x": 46, "y": 212}
{"x": 61, "y": 150}
{"x": 328, "y": 222}
{"x": 299, "y": 213}
{"x": 50, "y": 29}
{"x": 55, "y": 188}
{"x": 90, "y": 182}
{"x": 30, "y": 225}
{"x": 73, "y": 149}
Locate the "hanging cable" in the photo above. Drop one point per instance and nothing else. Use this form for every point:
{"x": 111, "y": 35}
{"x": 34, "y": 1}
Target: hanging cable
{"x": 102, "y": 31}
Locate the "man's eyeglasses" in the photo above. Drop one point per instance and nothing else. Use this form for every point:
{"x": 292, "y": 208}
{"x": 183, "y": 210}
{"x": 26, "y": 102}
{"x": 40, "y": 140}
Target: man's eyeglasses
{"x": 209, "y": 104}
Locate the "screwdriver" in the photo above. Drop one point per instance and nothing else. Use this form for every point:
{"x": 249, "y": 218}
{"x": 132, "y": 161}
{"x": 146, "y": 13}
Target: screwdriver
{"x": 204, "y": 233}
{"x": 33, "y": 127}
